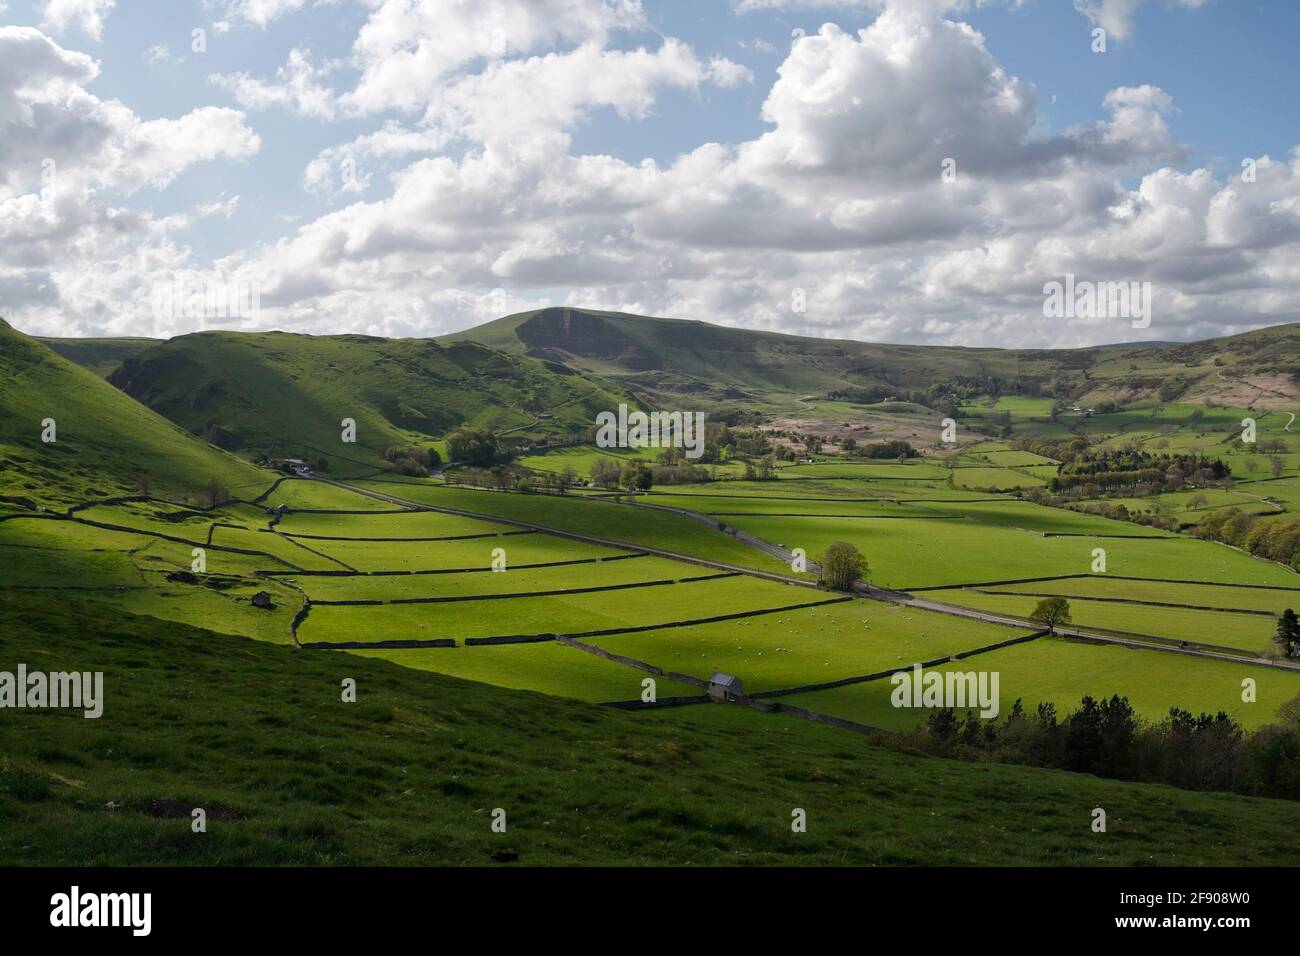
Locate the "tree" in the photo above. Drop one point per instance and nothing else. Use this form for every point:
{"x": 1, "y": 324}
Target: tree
{"x": 214, "y": 493}
{"x": 605, "y": 472}
{"x": 842, "y": 566}
{"x": 474, "y": 446}
{"x": 1051, "y": 612}
{"x": 1287, "y": 635}
{"x": 1278, "y": 466}
{"x": 636, "y": 476}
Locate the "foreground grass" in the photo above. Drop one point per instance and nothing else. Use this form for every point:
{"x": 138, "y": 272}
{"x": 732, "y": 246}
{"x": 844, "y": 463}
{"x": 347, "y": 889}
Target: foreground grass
{"x": 256, "y": 735}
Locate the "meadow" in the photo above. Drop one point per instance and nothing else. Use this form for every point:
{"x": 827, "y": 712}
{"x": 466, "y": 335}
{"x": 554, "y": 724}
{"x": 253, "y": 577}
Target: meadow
{"x": 1060, "y": 672}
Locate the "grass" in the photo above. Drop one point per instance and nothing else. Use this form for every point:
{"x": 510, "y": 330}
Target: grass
{"x": 808, "y": 646}
{"x": 474, "y": 553}
{"x": 287, "y": 394}
{"x": 511, "y": 581}
{"x": 1247, "y": 632}
{"x": 104, "y": 441}
{"x": 1061, "y": 672}
{"x": 258, "y": 736}
{"x": 1199, "y": 595}
{"x": 545, "y": 668}
{"x": 911, "y": 553}
{"x": 637, "y": 526}
{"x": 557, "y": 614}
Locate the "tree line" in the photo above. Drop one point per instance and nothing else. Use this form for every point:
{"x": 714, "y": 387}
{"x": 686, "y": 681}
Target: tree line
{"x": 1107, "y": 738}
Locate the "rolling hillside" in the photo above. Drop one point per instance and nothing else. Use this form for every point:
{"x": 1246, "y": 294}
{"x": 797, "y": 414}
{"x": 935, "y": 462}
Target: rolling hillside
{"x": 280, "y": 394}
{"x": 659, "y": 357}
{"x": 412, "y": 772}
{"x": 101, "y": 356}
{"x": 104, "y": 440}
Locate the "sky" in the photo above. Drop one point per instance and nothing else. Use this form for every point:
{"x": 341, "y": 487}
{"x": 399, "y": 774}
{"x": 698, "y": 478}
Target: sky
{"x": 885, "y": 170}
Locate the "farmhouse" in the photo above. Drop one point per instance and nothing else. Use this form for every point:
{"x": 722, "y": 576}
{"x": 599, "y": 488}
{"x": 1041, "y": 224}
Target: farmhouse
{"x": 724, "y": 687}
{"x": 294, "y": 466}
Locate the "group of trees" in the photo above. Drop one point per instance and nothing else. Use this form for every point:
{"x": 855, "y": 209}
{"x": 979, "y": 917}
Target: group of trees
{"x": 478, "y": 447}
{"x": 1138, "y": 472}
{"x": 888, "y": 449}
{"x": 631, "y": 475}
{"x": 1107, "y": 738}
{"x": 1276, "y": 539}
{"x": 412, "y": 460}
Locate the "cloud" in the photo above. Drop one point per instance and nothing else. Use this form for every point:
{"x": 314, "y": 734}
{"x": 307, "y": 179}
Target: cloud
{"x": 1116, "y": 16}
{"x": 469, "y": 200}
{"x": 405, "y": 49}
{"x": 297, "y": 87}
{"x": 841, "y": 197}
{"x": 66, "y": 156}
{"x": 86, "y": 15}
{"x": 262, "y": 12}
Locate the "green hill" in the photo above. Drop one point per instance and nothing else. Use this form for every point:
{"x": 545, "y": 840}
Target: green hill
{"x": 660, "y": 357}
{"x": 412, "y": 772}
{"x": 101, "y": 356}
{"x": 282, "y": 394}
{"x": 104, "y": 440}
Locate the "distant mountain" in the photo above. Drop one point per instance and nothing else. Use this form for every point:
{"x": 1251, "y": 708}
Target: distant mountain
{"x": 668, "y": 359}
{"x": 284, "y": 394}
{"x": 103, "y": 440}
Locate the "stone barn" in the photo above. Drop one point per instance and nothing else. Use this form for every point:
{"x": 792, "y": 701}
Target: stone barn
{"x": 724, "y": 687}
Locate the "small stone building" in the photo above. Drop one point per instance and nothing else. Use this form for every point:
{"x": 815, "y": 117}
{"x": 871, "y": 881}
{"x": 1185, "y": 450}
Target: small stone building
{"x": 724, "y": 687}
{"x": 262, "y": 599}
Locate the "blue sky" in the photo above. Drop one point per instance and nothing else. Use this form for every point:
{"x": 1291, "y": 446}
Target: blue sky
{"x": 880, "y": 249}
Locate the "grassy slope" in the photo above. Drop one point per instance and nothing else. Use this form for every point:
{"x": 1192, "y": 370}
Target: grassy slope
{"x": 638, "y": 526}
{"x": 101, "y": 356}
{"x": 104, "y": 438}
{"x": 280, "y": 393}
{"x": 410, "y": 774}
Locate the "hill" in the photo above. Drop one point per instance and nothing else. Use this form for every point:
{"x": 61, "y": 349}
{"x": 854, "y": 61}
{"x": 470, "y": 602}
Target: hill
{"x": 411, "y": 773}
{"x": 276, "y": 393}
{"x": 104, "y": 440}
{"x": 660, "y": 358}
{"x": 101, "y": 356}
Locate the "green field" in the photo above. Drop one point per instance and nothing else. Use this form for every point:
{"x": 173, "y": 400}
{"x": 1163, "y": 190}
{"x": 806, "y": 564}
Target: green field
{"x": 558, "y": 614}
{"x": 911, "y": 553}
{"x": 1061, "y": 672}
{"x": 1247, "y": 632}
{"x": 996, "y": 479}
{"x": 636, "y": 526}
{"x": 808, "y": 646}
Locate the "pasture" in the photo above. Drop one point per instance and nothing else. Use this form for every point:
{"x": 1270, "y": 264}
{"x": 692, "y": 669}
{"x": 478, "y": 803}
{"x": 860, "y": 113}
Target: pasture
{"x": 1061, "y": 672}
